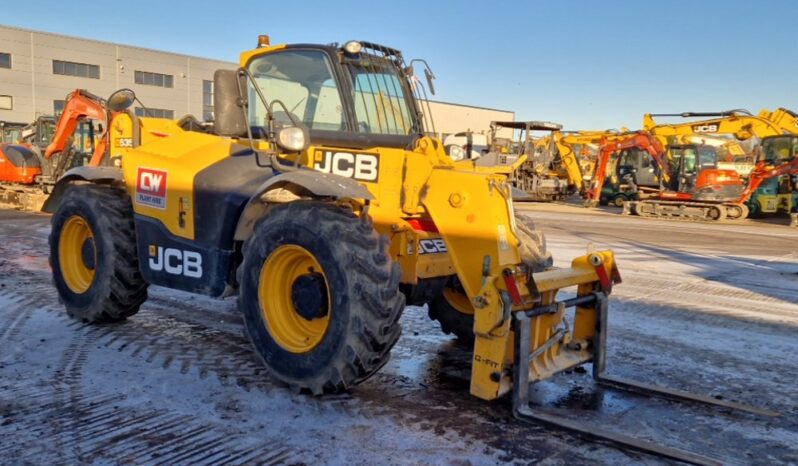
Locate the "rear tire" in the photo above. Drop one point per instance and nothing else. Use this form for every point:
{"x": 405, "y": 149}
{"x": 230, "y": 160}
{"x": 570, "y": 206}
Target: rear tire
{"x": 93, "y": 254}
{"x": 333, "y": 343}
{"x": 452, "y": 308}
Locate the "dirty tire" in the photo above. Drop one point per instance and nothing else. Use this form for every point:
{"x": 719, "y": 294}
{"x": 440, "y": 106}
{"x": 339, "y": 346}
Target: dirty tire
{"x": 533, "y": 244}
{"x": 460, "y": 324}
{"x": 452, "y": 321}
{"x": 363, "y": 283}
{"x": 118, "y": 288}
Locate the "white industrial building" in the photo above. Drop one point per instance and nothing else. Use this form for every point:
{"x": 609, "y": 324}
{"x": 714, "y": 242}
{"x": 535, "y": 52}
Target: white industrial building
{"x": 38, "y": 69}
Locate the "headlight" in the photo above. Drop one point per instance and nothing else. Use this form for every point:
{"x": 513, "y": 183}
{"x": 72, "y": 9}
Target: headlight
{"x": 292, "y": 139}
{"x": 353, "y": 47}
{"x": 455, "y": 152}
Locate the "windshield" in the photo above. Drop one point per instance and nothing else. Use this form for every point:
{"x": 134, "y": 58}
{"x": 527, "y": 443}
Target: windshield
{"x": 379, "y": 96}
{"x": 695, "y": 158}
{"x": 13, "y": 134}
{"x": 304, "y": 82}
{"x": 779, "y": 149}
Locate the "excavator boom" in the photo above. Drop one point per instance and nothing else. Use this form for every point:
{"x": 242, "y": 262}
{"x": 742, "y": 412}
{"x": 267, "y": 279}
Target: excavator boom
{"x": 739, "y": 123}
{"x": 80, "y": 104}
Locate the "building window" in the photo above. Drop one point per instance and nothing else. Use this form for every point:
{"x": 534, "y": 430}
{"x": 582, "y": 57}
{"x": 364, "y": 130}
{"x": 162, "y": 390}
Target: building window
{"x": 5, "y": 60}
{"x": 155, "y": 112}
{"x": 207, "y": 100}
{"x": 154, "y": 79}
{"x": 58, "y": 107}
{"x": 6, "y": 102}
{"x": 82, "y": 70}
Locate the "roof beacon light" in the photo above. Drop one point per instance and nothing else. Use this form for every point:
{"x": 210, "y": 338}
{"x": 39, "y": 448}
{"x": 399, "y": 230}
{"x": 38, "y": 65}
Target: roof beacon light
{"x": 353, "y": 47}
{"x": 263, "y": 40}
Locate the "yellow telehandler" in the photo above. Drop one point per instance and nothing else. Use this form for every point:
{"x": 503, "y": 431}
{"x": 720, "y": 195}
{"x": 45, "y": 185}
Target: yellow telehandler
{"x": 326, "y": 215}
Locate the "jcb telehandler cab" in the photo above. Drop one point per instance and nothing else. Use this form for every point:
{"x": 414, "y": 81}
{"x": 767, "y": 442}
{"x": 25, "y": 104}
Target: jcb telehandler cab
{"x": 318, "y": 199}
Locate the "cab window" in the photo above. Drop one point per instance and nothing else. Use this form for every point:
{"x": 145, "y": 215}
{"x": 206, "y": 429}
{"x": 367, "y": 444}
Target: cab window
{"x": 303, "y": 81}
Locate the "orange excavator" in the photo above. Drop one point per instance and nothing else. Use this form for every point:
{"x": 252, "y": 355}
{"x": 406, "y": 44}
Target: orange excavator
{"x": 685, "y": 180}
{"x": 27, "y": 172}
{"x": 632, "y": 169}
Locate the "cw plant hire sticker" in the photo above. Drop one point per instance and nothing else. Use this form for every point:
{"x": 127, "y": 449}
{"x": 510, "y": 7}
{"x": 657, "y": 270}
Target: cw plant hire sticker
{"x": 151, "y": 188}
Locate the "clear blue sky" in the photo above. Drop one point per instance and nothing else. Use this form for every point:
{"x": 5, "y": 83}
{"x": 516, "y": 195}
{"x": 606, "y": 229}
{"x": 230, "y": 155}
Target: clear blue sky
{"x": 587, "y": 64}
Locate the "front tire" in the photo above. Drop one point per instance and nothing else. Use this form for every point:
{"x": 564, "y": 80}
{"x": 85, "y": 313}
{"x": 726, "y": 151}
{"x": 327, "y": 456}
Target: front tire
{"x": 93, "y": 254}
{"x": 320, "y": 296}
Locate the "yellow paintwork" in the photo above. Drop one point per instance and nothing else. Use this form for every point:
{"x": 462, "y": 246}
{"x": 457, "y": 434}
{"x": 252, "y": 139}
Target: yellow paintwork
{"x": 493, "y": 352}
{"x": 245, "y": 57}
{"x": 577, "y": 167}
{"x": 77, "y": 276}
{"x": 471, "y": 210}
{"x": 275, "y": 285}
{"x": 782, "y": 118}
{"x": 181, "y": 155}
{"x": 742, "y": 127}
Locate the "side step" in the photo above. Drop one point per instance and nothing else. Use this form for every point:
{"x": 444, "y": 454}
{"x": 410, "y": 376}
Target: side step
{"x": 520, "y": 392}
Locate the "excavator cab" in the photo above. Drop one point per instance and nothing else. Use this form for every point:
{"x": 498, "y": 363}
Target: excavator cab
{"x": 10, "y": 132}
{"x": 636, "y": 164}
{"x": 779, "y": 149}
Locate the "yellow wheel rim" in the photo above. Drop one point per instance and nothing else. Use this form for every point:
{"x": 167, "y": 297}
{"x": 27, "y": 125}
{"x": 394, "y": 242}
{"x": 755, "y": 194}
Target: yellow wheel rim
{"x": 290, "y": 324}
{"x": 77, "y": 255}
{"x": 459, "y": 301}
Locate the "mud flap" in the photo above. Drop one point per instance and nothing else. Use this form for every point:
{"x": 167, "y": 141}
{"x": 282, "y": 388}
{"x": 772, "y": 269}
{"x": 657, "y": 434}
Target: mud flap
{"x": 520, "y": 393}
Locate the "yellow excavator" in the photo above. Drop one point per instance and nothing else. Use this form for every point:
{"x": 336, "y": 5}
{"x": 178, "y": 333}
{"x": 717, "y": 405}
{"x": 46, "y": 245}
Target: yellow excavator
{"x": 326, "y": 220}
{"x": 577, "y": 152}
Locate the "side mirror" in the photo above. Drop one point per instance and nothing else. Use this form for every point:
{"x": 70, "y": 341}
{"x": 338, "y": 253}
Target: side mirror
{"x": 428, "y": 74}
{"x": 121, "y": 100}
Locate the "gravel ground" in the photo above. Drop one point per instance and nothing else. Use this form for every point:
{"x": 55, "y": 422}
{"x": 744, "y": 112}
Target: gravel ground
{"x": 708, "y": 308}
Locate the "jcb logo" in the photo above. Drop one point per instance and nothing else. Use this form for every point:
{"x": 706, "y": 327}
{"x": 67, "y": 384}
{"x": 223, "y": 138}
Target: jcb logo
{"x": 432, "y": 246}
{"x": 707, "y": 128}
{"x": 175, "y": 261}
{"x": 362, "y": 167}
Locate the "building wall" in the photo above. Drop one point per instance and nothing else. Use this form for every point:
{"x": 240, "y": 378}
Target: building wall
{"x": 452, "y": 118}
{"x": 34, "y": 87}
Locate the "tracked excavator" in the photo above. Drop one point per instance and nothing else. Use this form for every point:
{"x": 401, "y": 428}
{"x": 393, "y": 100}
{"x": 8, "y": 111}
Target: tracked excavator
{"x": 46, "y": 149}
{"x": 743, "y": 126}
{"x": 325, "y": 221}
{"x": 624, "y": 166}
{"x": 677, "y": 181}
